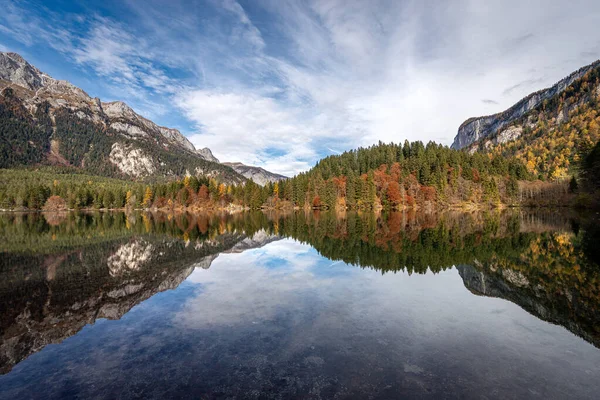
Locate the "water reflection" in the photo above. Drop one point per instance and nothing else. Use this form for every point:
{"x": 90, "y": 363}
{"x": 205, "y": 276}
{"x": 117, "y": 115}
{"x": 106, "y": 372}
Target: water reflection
{"x": 269, "y": 304}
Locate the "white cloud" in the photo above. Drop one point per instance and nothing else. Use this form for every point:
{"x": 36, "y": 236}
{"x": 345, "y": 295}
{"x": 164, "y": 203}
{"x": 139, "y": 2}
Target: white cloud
{"x": 126, "y": 63}
{"x": 244, "y": 126}
{"x": 118, "y": 55}
{"x": 28, "y": 29}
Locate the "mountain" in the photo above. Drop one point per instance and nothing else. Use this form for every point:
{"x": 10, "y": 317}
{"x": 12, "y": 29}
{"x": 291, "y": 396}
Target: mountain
{"x": 475, "y": 129}
{"x": 547, "y": 130}
{"x": 257, "y": 174}
{"x": 48, "y": 121}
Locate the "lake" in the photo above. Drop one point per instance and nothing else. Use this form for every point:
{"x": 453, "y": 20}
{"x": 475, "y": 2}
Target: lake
{"x": 493, "y": 305}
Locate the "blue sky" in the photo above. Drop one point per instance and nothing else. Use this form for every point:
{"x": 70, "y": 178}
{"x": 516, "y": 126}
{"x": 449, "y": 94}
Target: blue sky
{"x": 280, "y": 84}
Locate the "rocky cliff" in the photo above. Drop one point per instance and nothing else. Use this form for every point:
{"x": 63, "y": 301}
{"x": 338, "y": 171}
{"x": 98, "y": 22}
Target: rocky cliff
{"x": 476, "y": 129}
{"x": 45, "y": 120}
{"x": 257, "y": 174}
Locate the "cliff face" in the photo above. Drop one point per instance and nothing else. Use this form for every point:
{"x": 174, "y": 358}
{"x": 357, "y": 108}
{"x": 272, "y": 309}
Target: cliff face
{"x": 123, "y": 119}
{"x": 475, "y": 129}
{"x": 72, "y": 128}
{"x": 15, "y": 70}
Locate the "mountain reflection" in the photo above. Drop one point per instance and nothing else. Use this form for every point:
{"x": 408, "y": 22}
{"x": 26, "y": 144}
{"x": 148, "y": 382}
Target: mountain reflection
{"x": 60, "y": 272}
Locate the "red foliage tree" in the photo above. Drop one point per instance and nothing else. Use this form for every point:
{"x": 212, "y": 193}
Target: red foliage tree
{"x": 396, "y": 172}
{"x": 393, "y": 193}
{"x": 340, "y": 185}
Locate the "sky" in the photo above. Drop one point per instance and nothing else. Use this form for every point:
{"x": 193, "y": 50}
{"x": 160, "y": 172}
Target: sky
{"x": 280, "y": 83}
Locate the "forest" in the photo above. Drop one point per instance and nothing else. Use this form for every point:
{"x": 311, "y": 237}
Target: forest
{"x": 384, "y": 176}
{"x": 398, "y": 176}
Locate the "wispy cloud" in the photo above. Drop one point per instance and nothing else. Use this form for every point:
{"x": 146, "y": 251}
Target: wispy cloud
{"x": 528, "y": 83}
{"x": 489, "y": 101}
{"x": 124, "y": 59}
{"x": 19, "y": 22}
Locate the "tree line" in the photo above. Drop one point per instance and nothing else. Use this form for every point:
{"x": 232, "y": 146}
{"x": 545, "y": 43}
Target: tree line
{"x": 388, "y": 176}
{"x": 394, "y": 176}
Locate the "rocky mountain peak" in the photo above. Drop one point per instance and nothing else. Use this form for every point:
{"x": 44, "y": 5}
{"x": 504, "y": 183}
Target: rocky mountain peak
{"x": 125, "y": 127}
{"x": 17, "y": 70}
{"x": 15, "y": 57}
{"x": 120, "y": 110}
{"x": 207, "y": 154}
{"x": 117, "y": 109}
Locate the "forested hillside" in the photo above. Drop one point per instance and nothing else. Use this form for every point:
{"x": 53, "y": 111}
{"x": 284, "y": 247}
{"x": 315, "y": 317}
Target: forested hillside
{"x": 551, "y": 138}
{"x": 389, "y": 176}
{"x": 45, "y": 121}
{"x": 70, "y": 140}
{"x": 401, "y": 176}
{"x": 56, "y": 189}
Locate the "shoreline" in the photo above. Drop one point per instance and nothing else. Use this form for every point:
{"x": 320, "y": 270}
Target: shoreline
{"x": 192, "y": 210}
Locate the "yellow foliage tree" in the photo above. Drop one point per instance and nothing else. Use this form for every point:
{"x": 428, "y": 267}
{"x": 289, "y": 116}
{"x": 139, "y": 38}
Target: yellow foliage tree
{"x": 559, "y": 173}
{"x": 222, "y": 190}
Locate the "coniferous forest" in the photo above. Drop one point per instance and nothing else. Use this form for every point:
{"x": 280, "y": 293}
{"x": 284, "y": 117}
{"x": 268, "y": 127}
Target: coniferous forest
{"x": 384, "y": 176}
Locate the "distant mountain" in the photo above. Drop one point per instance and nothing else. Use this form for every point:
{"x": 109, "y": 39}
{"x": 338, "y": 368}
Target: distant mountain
{"x": 547, "y": 129}
{"x": 257, "y": 174}
{"x": 48, "y": 121}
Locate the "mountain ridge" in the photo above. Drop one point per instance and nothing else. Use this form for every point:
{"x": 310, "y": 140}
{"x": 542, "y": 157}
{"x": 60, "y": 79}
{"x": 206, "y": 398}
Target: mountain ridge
{"x": 117, "y": 142}
{"x": 549, "y": 131}
{"x": 477, "y": 128}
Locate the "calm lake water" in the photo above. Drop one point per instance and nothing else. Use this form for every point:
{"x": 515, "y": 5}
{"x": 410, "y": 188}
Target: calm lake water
{"x": 318, "y": 305}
